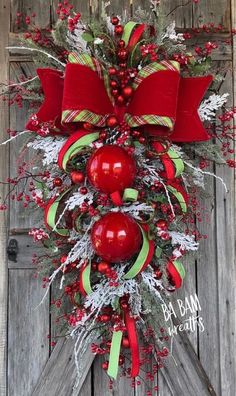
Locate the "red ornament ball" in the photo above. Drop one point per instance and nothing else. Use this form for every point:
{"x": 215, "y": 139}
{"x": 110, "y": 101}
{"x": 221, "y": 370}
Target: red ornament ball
{"x": 112, "y": 122}
{"x": 162, "y": 224}
{"x": 116, "y": 237}
{"x": 57, "y": 182}
{"x": 103, "y": 266}
{"x": 127, "y": 92}
{"x": 115, "y": 20}
{"x": 120, "y": 100}
{"x": 77, "y": 177}
{"x": 111, "y": 169}
{"x": 105, "y": 365}
{"x": 119, "y": 30}
{"x": 112, "y": 71}
{"x": 125, "y": 342}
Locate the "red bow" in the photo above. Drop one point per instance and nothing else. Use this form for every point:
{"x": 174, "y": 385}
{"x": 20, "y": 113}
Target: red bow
{"x": 162, "y": 102}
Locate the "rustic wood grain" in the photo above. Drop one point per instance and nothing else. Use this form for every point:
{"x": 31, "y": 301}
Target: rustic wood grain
{"x": 20, "y": 217}
{"x": 27, "y": 7}
{"x": 4, "y": 123}
{"x": 26, "y": 250}
{"x": 207, "y": 291}
{"x": 59, "y": 374}
{"x": 211, "y": 11}
{"x": 225, "y": 236}
{"x": 28, "y": 345}
{"x": 101, "y": 382}
{"x": 183, "y": 371}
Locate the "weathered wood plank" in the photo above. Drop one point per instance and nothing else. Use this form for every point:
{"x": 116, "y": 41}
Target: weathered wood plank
{"x": 121, "y": 8}
{"x": 20, "y": 217}
{"x": 40, "y": 7}
{"x": 4, "y": 122}
{"x": 170, "y": 10}
{"x": 101, "y": 381}
{"x": 86, "y": 389}
{"x": 211, "y": 11}
{"x": 226, "y": 275}
{"x": 27, "y": 248}
{"x": 28, "y": 348}
{"x": 183, "y": 371}
{"x": 208, "y": 268}
{"x": 59, "y": 374}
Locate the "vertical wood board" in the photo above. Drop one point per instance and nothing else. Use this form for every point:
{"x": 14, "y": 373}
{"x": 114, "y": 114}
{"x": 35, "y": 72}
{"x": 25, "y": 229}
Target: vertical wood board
{"x": 4, "y": 123}
{"x": 28, "y": 324}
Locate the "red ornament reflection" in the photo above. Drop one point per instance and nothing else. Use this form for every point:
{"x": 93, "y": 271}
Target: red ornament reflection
{"x": 116, "y": 237}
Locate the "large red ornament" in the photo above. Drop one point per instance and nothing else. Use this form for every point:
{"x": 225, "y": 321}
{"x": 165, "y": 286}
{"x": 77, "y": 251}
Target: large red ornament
{"x": 111, "y": 169}
{"x": 116, "y": 237}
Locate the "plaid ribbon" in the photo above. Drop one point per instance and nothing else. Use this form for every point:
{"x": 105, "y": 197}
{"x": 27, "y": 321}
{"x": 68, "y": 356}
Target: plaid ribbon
{"x": 153, "y": 68}
{"x": 133, "y": 121}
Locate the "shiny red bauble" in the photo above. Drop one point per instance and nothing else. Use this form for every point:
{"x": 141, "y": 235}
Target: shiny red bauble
{"x": 112, "y": 122}
{"x": 103, "y": 266}
{"x": 162, "y": 224}
{"x": 77, "y": 177}
{"x": 127, "y": 92}
{"x": 57, "y": 182}
{"x": 115, "y": 20}
{"x": 116, "y": 237}
{"x": 111, "y": 169}
{"x": 112, "y": 71}
{"x": 122, "y": 54}
{"x": 125, "y": 342}
{"x": 119, "y": 30}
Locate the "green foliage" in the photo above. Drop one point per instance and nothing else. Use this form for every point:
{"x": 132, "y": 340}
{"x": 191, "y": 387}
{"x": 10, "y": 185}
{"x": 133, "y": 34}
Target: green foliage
{"x": 59, "y": 34}
{"x": 197, "y": 68}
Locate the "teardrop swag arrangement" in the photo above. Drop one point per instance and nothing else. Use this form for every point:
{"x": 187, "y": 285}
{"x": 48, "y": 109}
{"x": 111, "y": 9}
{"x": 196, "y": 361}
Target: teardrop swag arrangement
{"x": 124, "y": 127}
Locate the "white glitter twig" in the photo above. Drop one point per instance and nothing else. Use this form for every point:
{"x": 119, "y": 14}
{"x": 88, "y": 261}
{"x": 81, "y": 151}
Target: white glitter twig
{"x": 208, "y": 173}
{"x": 13, "y": 137}
{"x": 38, "y": 50}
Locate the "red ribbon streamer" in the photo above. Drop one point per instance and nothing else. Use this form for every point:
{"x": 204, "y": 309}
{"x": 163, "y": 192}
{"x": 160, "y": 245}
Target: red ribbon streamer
{"x": 133, "y": 341}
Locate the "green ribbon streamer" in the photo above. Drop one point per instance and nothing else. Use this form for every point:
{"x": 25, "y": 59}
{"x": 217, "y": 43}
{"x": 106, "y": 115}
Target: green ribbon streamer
{"x": 179, "y": 165}
{"x": 179, "y": 197}
{"x": 137, "y": 266}
{"x": 78, "y": 146}
{"x": 180, "y": 268}
{"x": 51, "y": 216}
{"x": 86, "y": 279}
{"x": 128, "y": 29}
{"x": 114, "y": 354}
{"x": 130, "y": 194}
{"x": 158, "y": 251}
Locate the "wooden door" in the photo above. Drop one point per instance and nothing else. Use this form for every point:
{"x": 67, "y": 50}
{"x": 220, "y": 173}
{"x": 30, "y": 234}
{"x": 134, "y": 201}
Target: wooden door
{"x": 204, "y": 363}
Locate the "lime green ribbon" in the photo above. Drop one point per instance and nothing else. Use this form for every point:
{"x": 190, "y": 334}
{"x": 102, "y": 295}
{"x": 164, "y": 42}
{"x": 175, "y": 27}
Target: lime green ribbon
{"x": 137, "y": 266}
{"x": 51, "y": 216}
{"x": 86, "y": 279}
{"x": 130, "y": 194}
{"x": 180, "y": 269}
{"x": 128, "y": 29}
{"x": 179, "y": 164}
{"x": 76, "y": 147}
{"x": 114, "y": 354}
{"x": 179, "y": 197}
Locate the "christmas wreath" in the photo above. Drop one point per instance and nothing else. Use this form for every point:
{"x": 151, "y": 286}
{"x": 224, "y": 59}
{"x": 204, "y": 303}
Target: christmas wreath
{"x": 124, "y": 126}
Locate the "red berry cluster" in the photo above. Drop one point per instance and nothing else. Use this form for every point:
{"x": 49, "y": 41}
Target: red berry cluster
{"x": 64, "y": 10}
{"x": 149, "y": 50}
{"x": 72, "y": 22}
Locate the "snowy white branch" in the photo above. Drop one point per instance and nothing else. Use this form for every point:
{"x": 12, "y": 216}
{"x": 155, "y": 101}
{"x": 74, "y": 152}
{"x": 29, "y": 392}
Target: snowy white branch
{"x": 210, "y": 105}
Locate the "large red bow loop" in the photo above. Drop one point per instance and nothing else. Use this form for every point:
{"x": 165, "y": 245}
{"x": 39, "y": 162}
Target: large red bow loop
{"x": 163, "y": 103}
